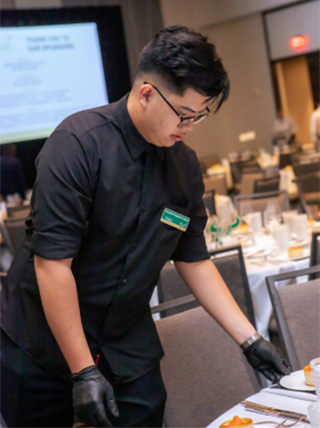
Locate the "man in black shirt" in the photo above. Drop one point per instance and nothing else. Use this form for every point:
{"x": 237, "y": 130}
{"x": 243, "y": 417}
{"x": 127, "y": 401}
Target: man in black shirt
{"x": 117, "y": 194}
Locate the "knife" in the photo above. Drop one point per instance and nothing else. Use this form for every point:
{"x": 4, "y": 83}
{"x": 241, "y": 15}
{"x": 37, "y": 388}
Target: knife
{"x": 273, "y": 411}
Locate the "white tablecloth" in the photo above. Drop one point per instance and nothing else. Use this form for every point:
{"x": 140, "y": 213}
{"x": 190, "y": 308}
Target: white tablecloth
{"x": 268, "y": 399}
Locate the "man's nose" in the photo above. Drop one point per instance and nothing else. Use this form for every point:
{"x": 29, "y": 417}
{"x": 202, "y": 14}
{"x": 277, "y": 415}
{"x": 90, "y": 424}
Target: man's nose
{"x": 189, "y": 127}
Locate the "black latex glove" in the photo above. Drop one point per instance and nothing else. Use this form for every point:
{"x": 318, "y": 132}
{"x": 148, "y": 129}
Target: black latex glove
{"x": 92, "y": 394}
{"x": 268, "y": 359}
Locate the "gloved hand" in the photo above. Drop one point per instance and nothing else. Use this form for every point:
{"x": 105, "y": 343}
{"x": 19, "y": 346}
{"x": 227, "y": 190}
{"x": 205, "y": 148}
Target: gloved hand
{"x": 91, "y": 394}
{"x": 268, "y": 359}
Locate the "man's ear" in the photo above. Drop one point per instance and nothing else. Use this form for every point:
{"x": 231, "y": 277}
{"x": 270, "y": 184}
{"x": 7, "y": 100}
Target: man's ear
{"x": 145, "y": 93}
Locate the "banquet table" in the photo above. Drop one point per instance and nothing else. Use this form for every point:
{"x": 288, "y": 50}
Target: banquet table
{"x": 295, "y": 401}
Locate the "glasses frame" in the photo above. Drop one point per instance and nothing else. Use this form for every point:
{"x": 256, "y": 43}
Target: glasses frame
{"x": 184, "y": 121}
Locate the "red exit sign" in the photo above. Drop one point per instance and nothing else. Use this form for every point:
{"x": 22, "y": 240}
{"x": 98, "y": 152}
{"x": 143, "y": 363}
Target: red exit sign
{"x": 298, "y": 42}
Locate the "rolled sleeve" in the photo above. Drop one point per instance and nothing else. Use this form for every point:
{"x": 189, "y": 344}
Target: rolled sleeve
{"x": 62, "y": 197}
{"x": 54, "y": 246}
{"x": 192, "y": 245}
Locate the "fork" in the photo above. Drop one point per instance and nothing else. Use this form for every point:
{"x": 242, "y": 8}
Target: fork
{"x": 280, "y": 424}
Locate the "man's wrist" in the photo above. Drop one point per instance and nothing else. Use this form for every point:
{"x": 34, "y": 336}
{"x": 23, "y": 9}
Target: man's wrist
{"x": 245, "y": 345}
{"x": 85, "y": 374}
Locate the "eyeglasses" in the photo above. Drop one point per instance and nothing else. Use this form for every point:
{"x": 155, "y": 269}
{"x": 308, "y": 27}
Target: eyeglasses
{"x": 184, "y": 121}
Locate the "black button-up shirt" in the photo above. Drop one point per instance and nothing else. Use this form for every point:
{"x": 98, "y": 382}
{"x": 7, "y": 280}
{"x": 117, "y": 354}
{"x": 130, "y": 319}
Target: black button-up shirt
{"x": 100, "y": 192}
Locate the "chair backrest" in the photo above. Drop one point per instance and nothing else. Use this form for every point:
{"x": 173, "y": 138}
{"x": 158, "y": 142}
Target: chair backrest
{"x": 285, "y": 159}
{"x": 207, "y": 161}
{"x": 247, "y": 181}
{"x": 267, "y": 184}
{"x": 230, "y": 263}
{"x": 18, "y": 211}
{"x": 261, "y": 201}
{"x": 315, "y": 249}
{"x": 296, "y": 309}
{"x": 13, "y": 233}
{"x": 3, "y": 424}
{"x": 203, "y": 369}
{"x": 209, "y": 202}
{"x": 309, "y": 182}
{"x": 218, "y": 183}
{"x": 170, "y": 287}
{"x": 309, "y": 192}
{"x": 243, "y": 166}
{"x": 305, "y": 168}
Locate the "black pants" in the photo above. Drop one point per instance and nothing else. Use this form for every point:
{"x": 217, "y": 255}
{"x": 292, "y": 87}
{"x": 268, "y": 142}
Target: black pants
{"x": 33, "y": 397}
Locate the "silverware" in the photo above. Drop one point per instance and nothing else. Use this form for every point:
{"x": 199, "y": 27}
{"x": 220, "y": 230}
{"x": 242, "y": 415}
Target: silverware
{"x": 260, "y": 408}
{"x": 255, "y": 254}
{"x": 282, "y": 424}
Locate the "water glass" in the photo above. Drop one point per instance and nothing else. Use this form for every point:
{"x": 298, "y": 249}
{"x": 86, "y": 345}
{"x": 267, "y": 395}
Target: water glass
{"x": 300, "y": 226}
{"x": 271, "y": 219}
{"x": 314, "y": 414}
{"x": 288, "y": 218}
{"x": 315, "y": 372}
{"x": 281, "y": 235}
{"x": 254, "y": 221}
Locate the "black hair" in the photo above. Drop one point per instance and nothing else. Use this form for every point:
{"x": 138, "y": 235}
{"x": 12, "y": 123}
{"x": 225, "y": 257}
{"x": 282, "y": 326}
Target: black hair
{"x": 184, "y": 59}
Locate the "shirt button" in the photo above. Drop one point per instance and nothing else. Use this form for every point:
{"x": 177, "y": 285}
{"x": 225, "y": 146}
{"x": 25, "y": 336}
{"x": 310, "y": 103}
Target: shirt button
{"x": 124, "y": 281}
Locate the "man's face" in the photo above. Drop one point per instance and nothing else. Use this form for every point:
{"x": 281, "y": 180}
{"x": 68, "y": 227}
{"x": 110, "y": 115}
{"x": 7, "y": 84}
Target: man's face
{"x": 162, "y": 124}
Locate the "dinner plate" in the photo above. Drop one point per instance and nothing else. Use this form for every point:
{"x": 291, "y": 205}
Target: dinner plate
{"x": 284, "y": 257}
{"x": 295, "y": 380}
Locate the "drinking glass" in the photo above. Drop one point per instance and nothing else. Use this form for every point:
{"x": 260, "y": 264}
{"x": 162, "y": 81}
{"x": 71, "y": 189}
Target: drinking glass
{"x": 271, "y": 218}
{"x": 281, "y": 235}
{"x": 315, "y": 371}
{"x": 314, "y": 408}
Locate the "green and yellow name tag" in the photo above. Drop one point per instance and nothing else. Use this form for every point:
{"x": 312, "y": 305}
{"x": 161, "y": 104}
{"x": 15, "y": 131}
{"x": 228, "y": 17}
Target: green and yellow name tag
{"x": 174, "y": 219}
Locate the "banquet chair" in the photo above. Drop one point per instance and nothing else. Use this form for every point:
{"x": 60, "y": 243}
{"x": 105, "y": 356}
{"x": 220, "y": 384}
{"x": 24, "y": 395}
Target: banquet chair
{"x": 243, "y": 167}
{"x": 309, "y": 192}
{"x": 267, "y": 184}
{"x": 296, "y": 308}
{"x": 3, "y": 424}
{"x": 209, "y": 202}
{"x": 204, "y": 370}
{"x": 18, "y": 211}
{"x": 247, "y": 181}
{"x": 305, "y": 168}
{"x": 315, "y": 249}
{"x": 13, "y": 233}
{"x": 207, "y": 161}
{"x": 218, "y": 183}
{"x": 230, "y": 264}
{"x": 285, "y": 159}
{"x": 171, "y": 287}
{"x": 315, "y": 253}
{"x": 261, "y": 201}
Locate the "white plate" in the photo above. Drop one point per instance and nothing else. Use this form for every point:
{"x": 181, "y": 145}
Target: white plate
{"x": 303, "y": 242}
{"x": 284, "y": 257}
{"x": 295, "y": 381}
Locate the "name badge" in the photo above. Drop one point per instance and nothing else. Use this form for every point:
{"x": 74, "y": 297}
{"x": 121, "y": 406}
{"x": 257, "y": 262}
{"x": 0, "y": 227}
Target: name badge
{"x": 174, "y": 219}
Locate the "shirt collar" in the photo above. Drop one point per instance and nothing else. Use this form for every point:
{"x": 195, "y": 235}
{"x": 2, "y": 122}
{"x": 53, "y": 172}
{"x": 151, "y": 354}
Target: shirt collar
{"x": 135, "y": 141}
